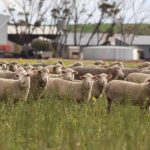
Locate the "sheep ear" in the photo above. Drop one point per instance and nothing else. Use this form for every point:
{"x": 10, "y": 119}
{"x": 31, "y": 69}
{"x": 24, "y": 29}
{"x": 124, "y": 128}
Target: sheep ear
{"x": 82, "y": 77}
{"x": 34, "y": 68}
{"x": 95, "y": 77}
{"x": 28, "y": 75}
{"x": 63, "y": 71}
{"x": 109, "y": 77}
{"x": 75, "y": 72}
{"x": 98, "y": 75}
{"x": 25, "y": 68}
{"x": 54, "y": 68}
{"x": 148, "y": 80}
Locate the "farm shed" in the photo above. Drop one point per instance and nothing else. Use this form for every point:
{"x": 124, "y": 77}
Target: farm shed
{"x": 142, "y": 42}
{"x": 3, "y": 29}
{"x": 110, "y": 53}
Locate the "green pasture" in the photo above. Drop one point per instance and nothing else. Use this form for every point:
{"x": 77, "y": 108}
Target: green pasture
{"x": 61, "y": 124}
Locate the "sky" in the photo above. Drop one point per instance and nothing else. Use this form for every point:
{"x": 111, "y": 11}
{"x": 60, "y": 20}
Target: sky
{"x": 140, "y": 11}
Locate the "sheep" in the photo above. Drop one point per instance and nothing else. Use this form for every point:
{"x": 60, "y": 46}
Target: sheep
{"x": 55, "y": 76}
{"x": 60, "y": 62}
{"x": 39, "y": 82}
{"x": 145, "y": 71}
{"x": 4, "y": 65}
{"x": 68, "y": 74}
{"x": 127, "y": 71}
{"x": 55, "y": 69}
{"x": 41, "y": 64}
{"x": 98, "y": 85}
{"x": 137, "y": 77}
{"x": 79, "y": 91}
{"x": 12, "y": 66}
{"x": 117, "y": 63}
{"x": 11, "y": 75}
{"x": 75, "y": 65}
{"x": 115, "y": 71}
{"x": 146, "y": 80}
{"x": 29, "y": 68}
{"x": 123, "y": 91}
{"x": 101, "y": 63}
{"x": 144, "y": 64}
{"x": 15, "y": 90}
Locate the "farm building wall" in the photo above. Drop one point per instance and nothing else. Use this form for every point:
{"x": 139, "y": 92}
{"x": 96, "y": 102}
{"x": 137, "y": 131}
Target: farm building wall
{"x": 146, "y": 51}
{"x": 3, "y": 29}
{"x": 110, "y": 53}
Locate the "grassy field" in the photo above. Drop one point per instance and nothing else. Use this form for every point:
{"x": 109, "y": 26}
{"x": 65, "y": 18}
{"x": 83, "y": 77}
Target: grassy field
{"x": 142, "y": 29}
{"x": 62, "y": 124}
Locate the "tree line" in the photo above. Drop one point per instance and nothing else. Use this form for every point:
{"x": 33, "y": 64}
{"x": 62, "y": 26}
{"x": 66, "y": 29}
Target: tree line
{"x": 78, "y": 16}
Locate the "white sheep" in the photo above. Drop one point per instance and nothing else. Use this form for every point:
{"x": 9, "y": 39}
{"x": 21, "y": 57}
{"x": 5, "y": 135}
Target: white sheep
{"x": 78, "y": 63}
{"x": 144, "y": 64}
{"x": 145, "y": 71}
{"x": 3, "y": 65}
{"x": 68, "y": 74}
{"x": 13, "y": 66}
{"x": 117, "y": 63}
{"x": 11, "y": 75}
{"x": 55, "y": 69}
{"x": 101, "y": 63}
{"x": 137, "y": 77}
{"x": 39, "y": 82}
{"x": 15, "y": 90}
{"x": 123, "y": 91}
{"x": 98, "y": 85}
{"x": 80, "y": 91}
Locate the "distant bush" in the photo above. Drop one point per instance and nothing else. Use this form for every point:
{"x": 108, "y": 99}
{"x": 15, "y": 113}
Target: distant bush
{"x": 41, "y": 45}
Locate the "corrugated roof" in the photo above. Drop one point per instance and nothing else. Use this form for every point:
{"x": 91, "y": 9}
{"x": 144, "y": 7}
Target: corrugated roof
{"x": 138, "y": 40}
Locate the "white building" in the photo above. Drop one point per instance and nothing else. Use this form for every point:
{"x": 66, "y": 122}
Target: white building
{"x": 110, "y": 52}
{"x": 3, "y": 28}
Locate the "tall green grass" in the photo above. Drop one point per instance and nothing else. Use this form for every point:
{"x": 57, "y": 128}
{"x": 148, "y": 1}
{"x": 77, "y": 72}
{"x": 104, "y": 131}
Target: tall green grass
{"x": 62, "y": 124}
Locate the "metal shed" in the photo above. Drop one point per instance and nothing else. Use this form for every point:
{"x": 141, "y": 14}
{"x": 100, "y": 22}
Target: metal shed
{"x": 3, "y": 28}
{"x": 110, "y": 53}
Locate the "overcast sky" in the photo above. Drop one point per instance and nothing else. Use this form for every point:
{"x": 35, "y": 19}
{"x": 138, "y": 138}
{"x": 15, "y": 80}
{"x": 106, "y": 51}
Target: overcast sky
{"x": 130, "y": 16}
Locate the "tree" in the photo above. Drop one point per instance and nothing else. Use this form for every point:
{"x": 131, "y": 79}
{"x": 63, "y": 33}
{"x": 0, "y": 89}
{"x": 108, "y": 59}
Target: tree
{"x": 26, "y": 15}
{"x": 41, "y": 45}
{"x": 107, "y": 10}
{"x": 139, "y": 12}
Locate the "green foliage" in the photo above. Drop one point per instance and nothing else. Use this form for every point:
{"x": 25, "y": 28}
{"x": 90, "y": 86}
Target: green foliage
{"x": 55, "y": 123}
{"x": 41, "y": 45}
{"x": 63, "y": 124}
{"x": 142, "y": 29}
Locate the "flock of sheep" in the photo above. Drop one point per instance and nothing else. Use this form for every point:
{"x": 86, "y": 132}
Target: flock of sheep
{"x": 118, "y": 83}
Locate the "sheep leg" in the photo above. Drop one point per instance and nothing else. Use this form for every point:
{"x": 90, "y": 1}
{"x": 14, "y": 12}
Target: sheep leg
{"x": 109, "y": 101}
{"x": 148, "y": 107}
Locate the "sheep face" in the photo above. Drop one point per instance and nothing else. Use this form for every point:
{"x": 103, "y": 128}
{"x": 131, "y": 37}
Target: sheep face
{"x": 20, "y": 70}
{"x": 57, "y": 69}
{"x": 28, "y": 69}
{"x": 119, "y": 64}
{"x": 4, "y": 66}
{"x": 68, "y": 74}
{"x": 88, "y": 80}
{"x": 118, "y": 73}
{"x": 13, "y": 66}
{"x": 24, "y": 79}
{"x": 44, "y": 75}
{"x": 103, "y": 78}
